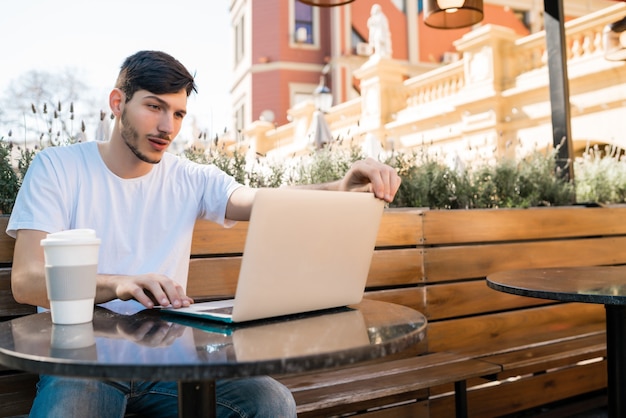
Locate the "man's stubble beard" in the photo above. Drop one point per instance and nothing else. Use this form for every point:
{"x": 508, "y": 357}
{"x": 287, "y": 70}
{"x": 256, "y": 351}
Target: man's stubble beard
{"x": 131, "y": 139}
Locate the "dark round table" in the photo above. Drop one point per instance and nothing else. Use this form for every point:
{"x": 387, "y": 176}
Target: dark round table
{"x": 603, "y": 285}
{"x": 153, "y": 345}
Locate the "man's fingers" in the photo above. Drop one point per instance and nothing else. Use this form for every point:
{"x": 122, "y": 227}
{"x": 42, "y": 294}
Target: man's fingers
{"x": 174, "y": 293}
{"x": 383, "y": 179}
{"x": 154, "y": 290}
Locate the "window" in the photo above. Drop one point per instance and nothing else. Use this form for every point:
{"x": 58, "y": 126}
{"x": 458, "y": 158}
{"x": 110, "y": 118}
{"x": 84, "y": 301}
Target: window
{"x": 239, "y": 41}
{"x": 300, "y": 92}
{"x": 239, "y": 119}
{"x": 303, "y": 23}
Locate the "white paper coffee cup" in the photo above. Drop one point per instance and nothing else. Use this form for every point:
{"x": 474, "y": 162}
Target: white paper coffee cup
{"x": 71, "y": 259}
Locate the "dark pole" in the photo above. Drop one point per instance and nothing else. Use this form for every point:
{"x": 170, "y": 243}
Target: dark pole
{"x": 559, "y": 85}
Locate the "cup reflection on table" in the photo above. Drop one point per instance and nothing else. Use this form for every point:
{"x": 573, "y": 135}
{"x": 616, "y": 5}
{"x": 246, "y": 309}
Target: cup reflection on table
{"x": 36, "y": 335}
{"x": 76, "y": 342}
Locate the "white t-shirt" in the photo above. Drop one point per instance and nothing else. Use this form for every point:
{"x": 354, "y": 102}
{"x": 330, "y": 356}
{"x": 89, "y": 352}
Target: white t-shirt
{"x": 145, "y": 224}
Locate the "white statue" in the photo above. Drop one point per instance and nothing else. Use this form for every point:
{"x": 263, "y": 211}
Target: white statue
{"x": 379, "y": 35}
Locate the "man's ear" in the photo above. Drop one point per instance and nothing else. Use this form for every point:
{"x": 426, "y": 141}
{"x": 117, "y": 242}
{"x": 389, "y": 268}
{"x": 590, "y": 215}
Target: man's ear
{"x": 116, "y": 101}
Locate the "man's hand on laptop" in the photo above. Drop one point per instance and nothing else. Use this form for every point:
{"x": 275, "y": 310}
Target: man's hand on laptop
{"x": 369, "y": 175}
{"x": 150, "y": 290}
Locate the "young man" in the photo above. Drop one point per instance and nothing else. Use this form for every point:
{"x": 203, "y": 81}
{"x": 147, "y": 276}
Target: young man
{"x": 143, "y": 203}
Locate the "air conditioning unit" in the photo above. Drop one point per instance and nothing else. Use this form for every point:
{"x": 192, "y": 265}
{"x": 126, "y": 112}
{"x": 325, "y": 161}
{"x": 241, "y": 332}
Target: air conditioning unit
{"x": 301, "y": 35}
{"x": 450, "y": 57}
{"x": 364, "y": 49}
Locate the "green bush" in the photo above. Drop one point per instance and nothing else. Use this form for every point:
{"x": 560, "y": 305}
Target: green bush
{"x": 324, "y": 166}
{"x": 507, "y": 184}
{"x": 601, "y": 175}
{"x": 9, "y": 180}
{"x": 426, "y": 182}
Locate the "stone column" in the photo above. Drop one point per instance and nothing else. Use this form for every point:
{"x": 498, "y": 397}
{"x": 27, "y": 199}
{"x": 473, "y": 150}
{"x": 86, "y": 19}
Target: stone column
{"x": 488, "y": 68}
{"x": 256, "y": 135}
{"x": 381, "y": 93}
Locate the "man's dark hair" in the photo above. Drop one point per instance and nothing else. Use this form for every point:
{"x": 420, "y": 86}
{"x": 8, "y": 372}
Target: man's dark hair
{"x": 156, "y": 72}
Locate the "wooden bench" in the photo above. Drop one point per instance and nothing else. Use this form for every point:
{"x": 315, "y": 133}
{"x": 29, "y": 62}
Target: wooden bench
{"x": 436, "y": 262}
{"x": 511, "y": 353}
{"x": 216, "y": 253}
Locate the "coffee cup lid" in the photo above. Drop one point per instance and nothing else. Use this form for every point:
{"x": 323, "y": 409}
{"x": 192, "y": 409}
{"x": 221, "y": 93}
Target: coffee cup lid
{"x": 82, "y": 235}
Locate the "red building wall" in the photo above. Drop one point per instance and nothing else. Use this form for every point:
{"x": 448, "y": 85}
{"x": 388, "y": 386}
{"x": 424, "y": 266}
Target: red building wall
{"x": 274, "y": 57}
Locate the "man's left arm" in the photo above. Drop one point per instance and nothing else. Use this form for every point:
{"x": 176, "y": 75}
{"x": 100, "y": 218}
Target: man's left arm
{"x": 366, "y": 175}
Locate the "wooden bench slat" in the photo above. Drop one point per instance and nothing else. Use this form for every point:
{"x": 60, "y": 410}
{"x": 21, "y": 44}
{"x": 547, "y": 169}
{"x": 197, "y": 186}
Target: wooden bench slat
{"x": 17, "y": 391}
{"x": 211, "y": 238}
{"x": 399, "y": 267}
{"x": 527, "y": 392}
{"x": 400, "y": 227}
{"x": 218, "y": 275}
{"x": 371, "y": 370}
{"x": 514, "y": 330}
{"x": 475, "y": 261}
{"x": 8, "y": 306}
{"x": 404, "y": 410}
{"x": 453, "y": 300}
{"x": 213, "y": 276}
{"x": 550, "y": 356}
{"x": 6, "y": 242}
{"x": 400, "y": 383}
{"x": 413, "y": 297}
{"x": 493, "y": 225}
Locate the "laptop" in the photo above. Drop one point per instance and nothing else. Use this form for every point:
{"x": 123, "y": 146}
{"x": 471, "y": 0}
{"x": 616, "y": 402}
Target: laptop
{"x": 306, "y": 250}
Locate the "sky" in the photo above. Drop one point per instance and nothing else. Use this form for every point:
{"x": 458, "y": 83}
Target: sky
{"x": 93, "y": 39}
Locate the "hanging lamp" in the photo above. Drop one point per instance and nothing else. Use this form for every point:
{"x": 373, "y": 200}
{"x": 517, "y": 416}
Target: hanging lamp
{"x": 452, "y": 14}
{"x": 325, "y": 3}
{"x": 614, "y": 40}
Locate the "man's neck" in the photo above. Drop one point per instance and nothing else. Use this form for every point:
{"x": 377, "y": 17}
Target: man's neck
{"x": 121, "y": 161}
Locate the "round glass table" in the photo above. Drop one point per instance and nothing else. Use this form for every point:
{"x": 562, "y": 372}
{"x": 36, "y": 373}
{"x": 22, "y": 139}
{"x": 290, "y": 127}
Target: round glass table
{"x": 154, "y": 345}
{"x": 602, "y": 284}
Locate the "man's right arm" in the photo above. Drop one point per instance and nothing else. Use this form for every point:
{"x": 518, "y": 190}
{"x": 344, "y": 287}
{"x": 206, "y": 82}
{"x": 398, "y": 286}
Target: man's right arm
{"x": 28, "y": 279}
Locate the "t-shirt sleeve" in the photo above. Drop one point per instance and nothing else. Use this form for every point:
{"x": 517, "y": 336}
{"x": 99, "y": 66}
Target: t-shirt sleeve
{"x": 217, "y": 191}
{"x": 40, "y": 203}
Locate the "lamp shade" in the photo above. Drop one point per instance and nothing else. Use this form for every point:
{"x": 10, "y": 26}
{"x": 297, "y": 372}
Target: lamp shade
{"x": 452, "y": 14}
{"x": 614, "y": 41}
{"x": 325, "y": 3}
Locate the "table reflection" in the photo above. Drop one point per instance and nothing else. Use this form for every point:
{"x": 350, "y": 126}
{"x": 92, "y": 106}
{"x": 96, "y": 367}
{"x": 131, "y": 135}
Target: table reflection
{"x": 610, "y": 290}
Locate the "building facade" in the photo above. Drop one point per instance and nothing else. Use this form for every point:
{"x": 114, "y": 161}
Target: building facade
{"x": 281, "y": 47}
{"x": 481, "y": 88}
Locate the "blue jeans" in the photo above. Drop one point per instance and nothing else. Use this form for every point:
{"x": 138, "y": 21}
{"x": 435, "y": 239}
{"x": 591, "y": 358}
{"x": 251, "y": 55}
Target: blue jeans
{"x": 61, "y": 397}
